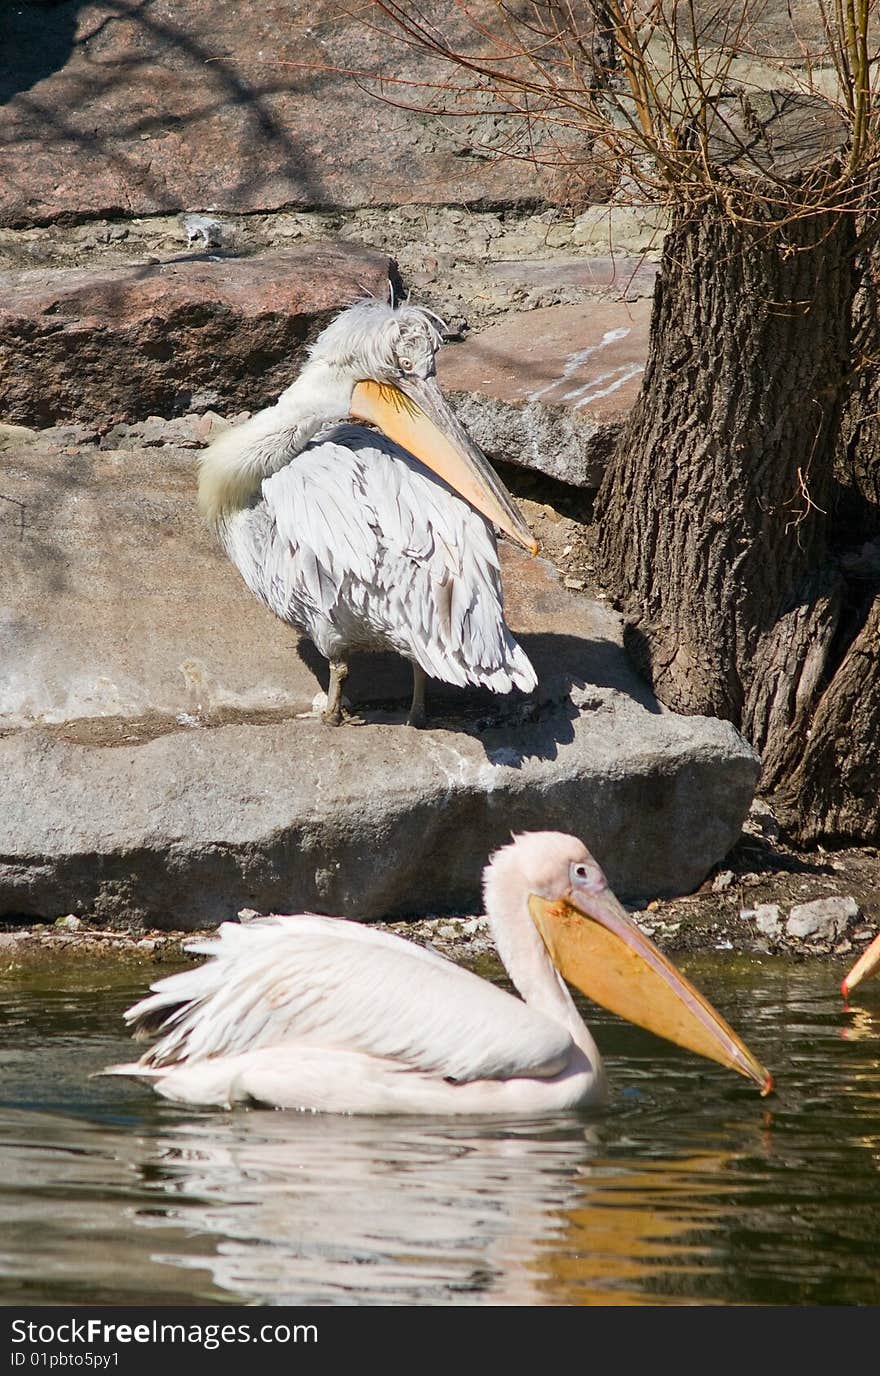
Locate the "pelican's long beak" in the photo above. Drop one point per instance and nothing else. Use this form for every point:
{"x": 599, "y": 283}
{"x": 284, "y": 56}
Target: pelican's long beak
{"x": 420, "y": 420}
{"x": 866, "y": 964}
{"x": 597, "y": 948}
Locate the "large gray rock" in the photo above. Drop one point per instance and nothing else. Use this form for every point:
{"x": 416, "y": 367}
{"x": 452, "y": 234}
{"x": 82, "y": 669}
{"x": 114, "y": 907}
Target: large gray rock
{"x": 163, "y": 762}
{"x": 122, "y": 343}
{"x": 550, "y": 389}
{"x": 372, "y": 821}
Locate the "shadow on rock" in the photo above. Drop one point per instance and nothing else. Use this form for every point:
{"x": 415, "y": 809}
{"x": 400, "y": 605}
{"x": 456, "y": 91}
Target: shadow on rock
{"x": 511, "y": 727}
{"x": 36, "y": 39}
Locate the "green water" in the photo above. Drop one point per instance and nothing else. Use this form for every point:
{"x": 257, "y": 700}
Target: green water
{"x": 687, "y": 1189}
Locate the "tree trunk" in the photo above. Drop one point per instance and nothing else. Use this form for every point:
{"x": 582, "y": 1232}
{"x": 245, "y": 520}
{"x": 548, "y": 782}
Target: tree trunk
{"x": 713, "y": 512}
{"x": 834, "y": 793}
{"x": 857, "y": 506}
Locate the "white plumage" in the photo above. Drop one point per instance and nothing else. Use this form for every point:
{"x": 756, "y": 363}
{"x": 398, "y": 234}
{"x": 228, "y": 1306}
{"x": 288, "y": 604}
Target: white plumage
{"x": 299, "y": 981}
{"x": 345, "y": 534}
{"x": 366, "y": 549}
{"x": 318, "y": 1013}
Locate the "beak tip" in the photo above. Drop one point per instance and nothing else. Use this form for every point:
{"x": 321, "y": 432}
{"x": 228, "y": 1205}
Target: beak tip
{"x": 844, "y": 988}
{"x": 768, "y": 1086}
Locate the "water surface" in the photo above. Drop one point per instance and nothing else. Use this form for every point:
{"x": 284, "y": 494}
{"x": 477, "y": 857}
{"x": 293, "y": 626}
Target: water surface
{"x": 688, "y": 1189}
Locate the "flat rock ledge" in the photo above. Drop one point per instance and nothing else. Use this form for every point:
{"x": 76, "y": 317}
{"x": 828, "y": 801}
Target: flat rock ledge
{"x": 204, "y": 105}
{"x": 548, "y": 439}
{"x": 369, "y": 821}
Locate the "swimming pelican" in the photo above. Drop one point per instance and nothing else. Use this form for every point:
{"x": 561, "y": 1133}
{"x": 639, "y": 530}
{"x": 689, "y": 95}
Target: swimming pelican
{"x": 318, "y": 1013}
{"x": 866, "y": 965}
{"x": 348, "y": 534}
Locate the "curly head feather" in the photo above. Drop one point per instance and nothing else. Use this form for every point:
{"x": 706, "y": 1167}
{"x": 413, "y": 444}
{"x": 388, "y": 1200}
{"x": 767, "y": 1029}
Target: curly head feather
{"x": 371, "y": 337}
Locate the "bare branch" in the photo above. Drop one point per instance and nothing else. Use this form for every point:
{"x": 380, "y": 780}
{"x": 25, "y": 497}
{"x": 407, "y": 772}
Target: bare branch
{"x": 652, "y": 92}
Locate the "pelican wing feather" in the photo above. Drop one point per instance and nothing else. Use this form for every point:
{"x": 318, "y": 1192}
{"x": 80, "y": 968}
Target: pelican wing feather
{"x": 310, "y": 981}
{"x": 357, "y": 533}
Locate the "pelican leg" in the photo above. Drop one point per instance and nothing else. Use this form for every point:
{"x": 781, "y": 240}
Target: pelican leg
{"x": 338, "y": 674}
{"x": 417, "y": 715}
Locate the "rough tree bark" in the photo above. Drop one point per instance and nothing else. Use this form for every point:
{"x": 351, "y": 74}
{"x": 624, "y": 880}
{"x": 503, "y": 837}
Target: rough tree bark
{"x": 713, "y": 513}
{"x": 857, "y": 508}
{"x": 833, "y": 794}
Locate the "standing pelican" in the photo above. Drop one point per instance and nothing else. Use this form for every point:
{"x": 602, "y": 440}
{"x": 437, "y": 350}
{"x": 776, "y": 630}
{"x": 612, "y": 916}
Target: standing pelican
{"x": 318, "y": 1013}
{"x": 867, "y": 964}
{"x": 369, "y": 541}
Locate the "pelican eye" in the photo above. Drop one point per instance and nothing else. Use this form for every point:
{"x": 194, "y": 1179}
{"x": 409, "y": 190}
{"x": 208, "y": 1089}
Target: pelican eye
{"x": 406, "y": 365}
{"x": 585, "y": 875}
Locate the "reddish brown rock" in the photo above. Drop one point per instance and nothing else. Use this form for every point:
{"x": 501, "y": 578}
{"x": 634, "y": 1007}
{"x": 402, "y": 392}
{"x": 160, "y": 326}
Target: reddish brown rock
{"x": 129, "y": 107}
{"x": 129, "y": 342}
{"x": 549, "y": 389}
{"x": 121, "y": 107}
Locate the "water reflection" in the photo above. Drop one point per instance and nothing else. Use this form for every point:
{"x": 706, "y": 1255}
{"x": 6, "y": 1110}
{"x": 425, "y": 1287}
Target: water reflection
{"x": 688, "y": 1190}
{"x": 317, "y": 1212}
{"x": 333, "y": 1211}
